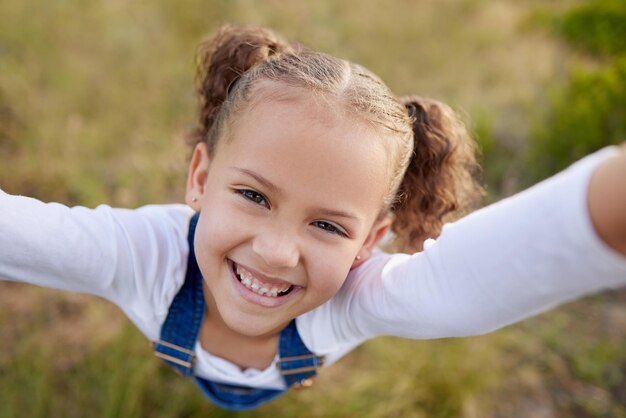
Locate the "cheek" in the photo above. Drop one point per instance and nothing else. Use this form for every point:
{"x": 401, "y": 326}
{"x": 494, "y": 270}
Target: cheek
{"x": 331, "y": 274}
{"x": 217, "y": 231}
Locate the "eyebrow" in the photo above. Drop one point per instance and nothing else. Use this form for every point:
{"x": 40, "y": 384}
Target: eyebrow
{"x": 265, "y": 182}
{"x": 272, "y": 187}
{"x": 338, "y": 213}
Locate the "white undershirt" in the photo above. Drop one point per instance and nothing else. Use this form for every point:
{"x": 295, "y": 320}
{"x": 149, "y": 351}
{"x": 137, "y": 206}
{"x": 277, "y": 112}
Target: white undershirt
{"x": 501, "y": 264}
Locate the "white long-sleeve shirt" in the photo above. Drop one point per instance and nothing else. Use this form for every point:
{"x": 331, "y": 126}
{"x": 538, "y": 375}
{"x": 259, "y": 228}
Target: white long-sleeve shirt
{"x": 494, "y": 267}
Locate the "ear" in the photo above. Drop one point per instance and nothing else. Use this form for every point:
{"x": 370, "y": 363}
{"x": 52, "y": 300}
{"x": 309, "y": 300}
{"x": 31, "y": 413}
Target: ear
{"x": 378, "y": 231}
{"x": 197, "y": 176}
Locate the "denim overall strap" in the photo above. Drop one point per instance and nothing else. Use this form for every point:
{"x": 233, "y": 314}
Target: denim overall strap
{"x": 296, "y": 362}
{"x": 180, "y": 331}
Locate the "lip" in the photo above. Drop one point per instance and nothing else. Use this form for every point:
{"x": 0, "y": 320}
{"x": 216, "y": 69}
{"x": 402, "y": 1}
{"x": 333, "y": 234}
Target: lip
{"x": 255, "y": 298}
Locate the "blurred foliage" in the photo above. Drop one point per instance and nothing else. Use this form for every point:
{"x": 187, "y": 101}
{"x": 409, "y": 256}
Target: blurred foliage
{"x": 598, "y": 27}
{"x": 589, "y": 111}
{"x": 499, "y": 156}
{"x": 588, "y": 114}
{"x": 117, "y": 376}
{"x": 88, "y": 362}
{"x": 99, "y": 93}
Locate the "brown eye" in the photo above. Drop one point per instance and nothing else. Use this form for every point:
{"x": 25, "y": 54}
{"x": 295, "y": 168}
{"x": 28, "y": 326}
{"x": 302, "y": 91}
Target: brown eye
{"x": 254, "y": 197}
{"x": 328, "y": 227}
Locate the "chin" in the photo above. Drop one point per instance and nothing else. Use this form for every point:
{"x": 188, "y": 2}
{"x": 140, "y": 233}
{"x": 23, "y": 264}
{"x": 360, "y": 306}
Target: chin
{"x": 255, "y": 329}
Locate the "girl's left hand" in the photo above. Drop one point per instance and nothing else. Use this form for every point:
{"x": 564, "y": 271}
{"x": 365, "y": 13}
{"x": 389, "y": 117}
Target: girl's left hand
{"x": 607, "y": 201}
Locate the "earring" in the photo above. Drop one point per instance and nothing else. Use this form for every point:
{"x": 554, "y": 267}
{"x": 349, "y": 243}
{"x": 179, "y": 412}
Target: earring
{"x": 194, "y": 199}
{"x": 358, "y": 257}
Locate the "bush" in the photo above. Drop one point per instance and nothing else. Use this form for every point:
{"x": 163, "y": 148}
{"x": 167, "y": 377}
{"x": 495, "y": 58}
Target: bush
{"x": 598, "y": 27}
{"x": 587, "y": 115}
{"x": 590, "y": 111}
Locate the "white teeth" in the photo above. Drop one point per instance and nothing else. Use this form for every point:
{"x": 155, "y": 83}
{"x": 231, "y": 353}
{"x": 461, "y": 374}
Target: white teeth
{"x": 249, "y": 281}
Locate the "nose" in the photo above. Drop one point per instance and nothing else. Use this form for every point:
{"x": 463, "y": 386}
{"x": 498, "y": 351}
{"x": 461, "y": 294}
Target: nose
{"x": 277, "y": 248}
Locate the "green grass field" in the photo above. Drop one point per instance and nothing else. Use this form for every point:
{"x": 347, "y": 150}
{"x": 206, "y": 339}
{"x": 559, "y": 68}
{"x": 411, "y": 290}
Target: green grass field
{"x": 95, "y": 98}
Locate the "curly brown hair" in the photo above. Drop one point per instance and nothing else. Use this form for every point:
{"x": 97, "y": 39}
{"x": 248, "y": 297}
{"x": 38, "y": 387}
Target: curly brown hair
{"x": 441, "y": 181}
{"x": 434, "y": 174}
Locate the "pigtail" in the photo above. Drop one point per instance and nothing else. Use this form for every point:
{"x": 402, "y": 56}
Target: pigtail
{"x": 221, "y": 61}
{"x": 441, "y": 181}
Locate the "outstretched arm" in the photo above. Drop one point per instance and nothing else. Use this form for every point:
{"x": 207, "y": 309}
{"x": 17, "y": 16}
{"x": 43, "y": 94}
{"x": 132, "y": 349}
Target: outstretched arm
{"x": 557, "y": 241}
{"x": 130, "y": 257}
{"x": 607, "y": 201}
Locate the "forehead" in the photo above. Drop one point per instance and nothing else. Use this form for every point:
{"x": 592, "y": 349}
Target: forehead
{"x": 312, "y": 148}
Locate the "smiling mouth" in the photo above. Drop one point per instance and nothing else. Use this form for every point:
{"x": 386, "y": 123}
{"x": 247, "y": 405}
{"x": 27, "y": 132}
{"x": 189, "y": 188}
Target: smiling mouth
{"x": 259, "y": 287}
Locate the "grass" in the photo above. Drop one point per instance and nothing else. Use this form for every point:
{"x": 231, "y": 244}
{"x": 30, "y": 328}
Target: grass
{"x": 117, "y": 376}
{"x": 73, "y": 356}
{"x": 108, "y": 86}
{"x": 94, "y": 99}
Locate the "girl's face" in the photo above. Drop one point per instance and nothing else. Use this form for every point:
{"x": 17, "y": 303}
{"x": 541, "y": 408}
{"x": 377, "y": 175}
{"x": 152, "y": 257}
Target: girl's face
{"x": 287, "y": 202}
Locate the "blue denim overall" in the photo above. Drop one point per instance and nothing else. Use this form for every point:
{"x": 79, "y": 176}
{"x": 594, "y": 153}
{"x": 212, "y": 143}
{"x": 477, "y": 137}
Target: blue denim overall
{"x": 297, "y": 364}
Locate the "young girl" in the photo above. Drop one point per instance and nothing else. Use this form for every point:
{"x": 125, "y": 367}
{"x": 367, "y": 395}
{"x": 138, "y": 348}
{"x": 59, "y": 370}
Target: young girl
{"x": 301, "y": 164}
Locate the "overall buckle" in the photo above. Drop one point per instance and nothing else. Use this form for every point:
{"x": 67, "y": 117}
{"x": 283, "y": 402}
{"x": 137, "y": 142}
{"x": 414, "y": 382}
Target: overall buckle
{"x": 318, "y": 361}
{"x": 188, "y": 353}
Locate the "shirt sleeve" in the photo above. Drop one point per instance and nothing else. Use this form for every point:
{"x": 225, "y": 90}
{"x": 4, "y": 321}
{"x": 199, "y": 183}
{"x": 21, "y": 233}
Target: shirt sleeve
{"x": 134, "y": 258}
{"x": 501, "y": 264}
